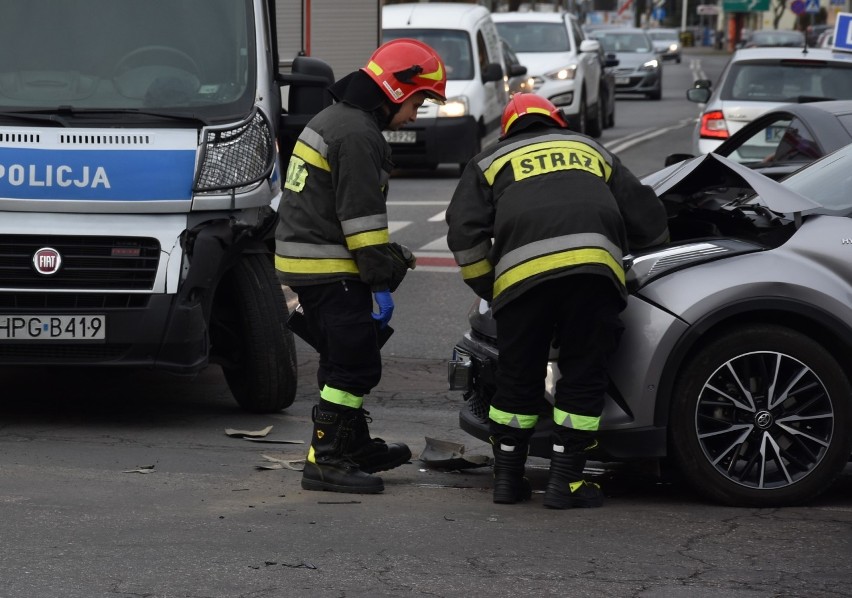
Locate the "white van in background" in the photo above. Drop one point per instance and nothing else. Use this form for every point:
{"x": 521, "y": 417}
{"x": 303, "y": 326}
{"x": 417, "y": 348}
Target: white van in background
{"x": 467, "y": 40}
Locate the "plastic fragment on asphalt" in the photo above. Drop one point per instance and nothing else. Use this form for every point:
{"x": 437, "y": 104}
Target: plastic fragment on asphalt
{"x": 445, "y": 454}
{"x": 248, "y": 433}
{"x": 259, "y": 436}
{"x": 143, "y": 469}
{"x": 278, "y": 463}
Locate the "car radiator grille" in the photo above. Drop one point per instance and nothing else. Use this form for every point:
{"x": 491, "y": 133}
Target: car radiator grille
{"x": 97, "y": 263}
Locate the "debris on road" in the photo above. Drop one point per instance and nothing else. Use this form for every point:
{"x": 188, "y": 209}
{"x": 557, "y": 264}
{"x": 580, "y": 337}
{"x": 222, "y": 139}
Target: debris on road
{"x": 143, "y": 469}
{"x": 444, "y": 454}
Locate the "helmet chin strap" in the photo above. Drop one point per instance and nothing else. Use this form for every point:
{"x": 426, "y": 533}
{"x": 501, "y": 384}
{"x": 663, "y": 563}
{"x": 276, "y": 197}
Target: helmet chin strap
{"x": 386, "y": 112}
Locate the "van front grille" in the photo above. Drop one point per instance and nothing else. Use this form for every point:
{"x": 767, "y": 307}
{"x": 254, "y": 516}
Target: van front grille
{"x": 102, "y": 263}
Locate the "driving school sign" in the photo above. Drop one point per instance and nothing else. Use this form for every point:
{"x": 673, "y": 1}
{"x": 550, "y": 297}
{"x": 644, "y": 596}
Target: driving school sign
{"x": 843, "y": 32}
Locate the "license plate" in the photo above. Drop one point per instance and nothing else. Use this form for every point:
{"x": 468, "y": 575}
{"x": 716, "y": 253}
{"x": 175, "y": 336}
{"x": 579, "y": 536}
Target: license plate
{"x": 400, "y": 136}
{"x": 622, "y": 81}
{"x": 775, "y": 133}
{"x": 52, "y": 328}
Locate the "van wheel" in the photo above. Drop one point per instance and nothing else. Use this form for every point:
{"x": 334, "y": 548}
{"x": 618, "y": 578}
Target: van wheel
{"x": 250, "y": 338}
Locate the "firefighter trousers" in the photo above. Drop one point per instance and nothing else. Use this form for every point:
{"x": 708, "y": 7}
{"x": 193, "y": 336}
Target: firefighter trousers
{"x": 338, "y": 316}
{"x": 579, "y": 313}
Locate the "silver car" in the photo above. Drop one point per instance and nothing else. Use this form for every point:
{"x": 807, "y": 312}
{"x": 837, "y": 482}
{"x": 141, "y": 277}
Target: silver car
{"x": 666, "y": 43}
{"x": 640, "y": 66}
{"x": 757, "y": 80}
{"x": 736, "y": 360}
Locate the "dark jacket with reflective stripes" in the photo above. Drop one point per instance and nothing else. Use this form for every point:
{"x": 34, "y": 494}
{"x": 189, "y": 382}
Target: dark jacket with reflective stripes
{"x": 555, "y": 203}
{"x": 333, "y": 222}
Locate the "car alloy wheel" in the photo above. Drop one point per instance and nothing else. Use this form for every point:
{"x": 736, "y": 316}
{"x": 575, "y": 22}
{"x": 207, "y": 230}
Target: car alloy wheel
{"x": 761, "y": 417}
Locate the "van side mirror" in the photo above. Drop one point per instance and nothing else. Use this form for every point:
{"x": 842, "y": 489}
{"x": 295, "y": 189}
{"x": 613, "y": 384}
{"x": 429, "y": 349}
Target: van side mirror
{"x": 611, "y": 60}
{"x": 516, "y": 70}
{"x": 309, "y": 80}
{"x": 492, "y": 72}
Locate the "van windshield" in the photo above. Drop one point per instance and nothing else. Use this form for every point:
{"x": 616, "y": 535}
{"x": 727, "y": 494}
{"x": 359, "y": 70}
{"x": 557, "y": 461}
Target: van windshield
{"x": 192, "y": 56}
{"x": 452, "y": 45}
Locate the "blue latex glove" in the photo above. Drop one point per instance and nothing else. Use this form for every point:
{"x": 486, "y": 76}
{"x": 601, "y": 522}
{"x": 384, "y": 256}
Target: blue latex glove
{"x": 385, "y": 302}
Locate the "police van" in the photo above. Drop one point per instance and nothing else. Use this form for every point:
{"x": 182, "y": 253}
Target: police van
{"x": 140, "y": 172}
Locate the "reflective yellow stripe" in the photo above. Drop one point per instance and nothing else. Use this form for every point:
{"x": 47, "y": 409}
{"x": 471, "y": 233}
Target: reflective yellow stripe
{"x": 574, "y": 421}
{"x": 550, "y": 156}
{"x": 375, "y": 68}
{"x": 476, "y": 270}
{"x": 315, "y": 266}
{"x": 435, "y": 75}
{"x": 311, "y": 156}
{"x": 373, "y": 237}
{"x": 573, "y": 257}
{"x": 341, "y": 397}
{"x": 513, "y": 420}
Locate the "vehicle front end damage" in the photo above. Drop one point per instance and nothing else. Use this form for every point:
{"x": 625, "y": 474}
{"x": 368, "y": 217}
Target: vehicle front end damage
{"x": 725, "y": 367}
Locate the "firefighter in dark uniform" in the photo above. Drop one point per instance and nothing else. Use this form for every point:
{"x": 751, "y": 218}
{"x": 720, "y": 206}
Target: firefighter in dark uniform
{"x": 332, "y": 248}
{"x": 539, "y": 224}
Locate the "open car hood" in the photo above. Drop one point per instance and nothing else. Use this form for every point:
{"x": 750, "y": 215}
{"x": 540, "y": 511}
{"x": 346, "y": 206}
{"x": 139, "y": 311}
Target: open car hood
{"x": 712, "y": 169}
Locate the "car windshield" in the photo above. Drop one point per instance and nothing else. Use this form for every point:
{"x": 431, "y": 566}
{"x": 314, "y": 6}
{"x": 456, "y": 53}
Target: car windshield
{"x": 535, "y": 36}
{"x": 623, "y": 42}
{"x": 787, "y": 81}
{"x": 663, "y": 35}
{"x": 452, "y": 45}
{"x": 826, "y": 181}
{"x": 195, "y": 56}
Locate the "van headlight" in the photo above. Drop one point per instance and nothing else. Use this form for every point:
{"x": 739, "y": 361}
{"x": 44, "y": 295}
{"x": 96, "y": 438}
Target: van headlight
{"x": 236, "y": 156}
{"x": 454, "y": 107}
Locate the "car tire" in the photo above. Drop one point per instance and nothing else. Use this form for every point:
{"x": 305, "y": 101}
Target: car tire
{"x": 582, "y": 118}
{"x": 594, "y": 126}
{"x": 657, "y": 94}
{"x": 761, "y": 417}
{"x": 249, "y": 332}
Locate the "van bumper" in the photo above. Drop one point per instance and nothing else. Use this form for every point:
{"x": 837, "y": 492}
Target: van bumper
{"x": 438, "y": 140}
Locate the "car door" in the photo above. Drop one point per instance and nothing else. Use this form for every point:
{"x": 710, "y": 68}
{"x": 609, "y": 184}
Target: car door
{"x": 589, "y": 60}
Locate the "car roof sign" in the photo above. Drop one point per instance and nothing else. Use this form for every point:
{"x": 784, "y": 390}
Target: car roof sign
{"x": 843, "y": 32}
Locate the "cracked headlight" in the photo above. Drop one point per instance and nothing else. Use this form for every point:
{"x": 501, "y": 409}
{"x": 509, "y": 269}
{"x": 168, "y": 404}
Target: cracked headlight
{"x": 646, "y": 267}
{"x": 236, "y": 156}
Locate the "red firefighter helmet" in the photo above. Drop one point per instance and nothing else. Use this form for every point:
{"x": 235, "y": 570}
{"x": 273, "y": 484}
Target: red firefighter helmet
{"x": 402, "y": 67}
{"x": 529, "y": 103}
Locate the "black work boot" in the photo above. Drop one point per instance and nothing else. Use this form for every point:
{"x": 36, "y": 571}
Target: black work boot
{"x": 374, "y": 454}
{"x": 510, "y": 456}
{"x": 328, "y": 466}
{"x": 566, "y": 487}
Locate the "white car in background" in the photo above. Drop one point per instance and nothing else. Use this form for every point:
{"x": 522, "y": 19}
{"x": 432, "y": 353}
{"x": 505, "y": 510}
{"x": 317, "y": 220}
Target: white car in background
{"x": 756, "y": 80}
{"x": 563, "y": 65}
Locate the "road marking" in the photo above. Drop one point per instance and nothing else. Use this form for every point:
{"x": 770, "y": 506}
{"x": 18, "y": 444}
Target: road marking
{"x": 619, "y": 145}
{"x": 435, "y": 261}
{"x": 397, "y": 225}
{"x": 439, "y": 217}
